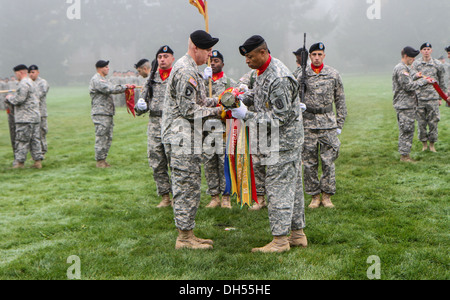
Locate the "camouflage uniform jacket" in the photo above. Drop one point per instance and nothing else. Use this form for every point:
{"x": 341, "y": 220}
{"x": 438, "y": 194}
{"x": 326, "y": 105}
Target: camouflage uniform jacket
{"x": 42, "y": 89}
{"x": 26, "y": 103}
{"x": 404, "y": 87}
{"x": 185, "y": 99}
{"x": 322, "y": 90}
{"x": 159, "y": 91}
{"x": 101, "y": 90}
{"x": 434, "y": 69}
{"x": 220, "y": 85}
{"x": 276, "y": 103}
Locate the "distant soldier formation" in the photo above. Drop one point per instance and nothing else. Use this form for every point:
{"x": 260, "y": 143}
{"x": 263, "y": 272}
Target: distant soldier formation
{"x": 306, "y": 108}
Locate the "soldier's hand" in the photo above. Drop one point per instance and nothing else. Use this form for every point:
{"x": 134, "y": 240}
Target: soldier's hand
{"x": 339, "y": 131}
{"x": 303, "y": 106}
{"x": 243, "y": 88}
{"x": 142, "y": 105}
{"x": 240, "y": 112}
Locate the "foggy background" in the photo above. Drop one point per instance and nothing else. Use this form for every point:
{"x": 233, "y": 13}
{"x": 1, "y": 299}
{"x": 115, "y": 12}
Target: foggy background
{"x": 124, "y": 31}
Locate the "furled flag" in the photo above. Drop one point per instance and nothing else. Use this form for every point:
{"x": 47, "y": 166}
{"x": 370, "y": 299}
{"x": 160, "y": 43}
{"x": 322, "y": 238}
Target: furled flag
{"x": 200, "y": 4}
{"x": 129, "y": 96}
{"x": 238, "y": 164}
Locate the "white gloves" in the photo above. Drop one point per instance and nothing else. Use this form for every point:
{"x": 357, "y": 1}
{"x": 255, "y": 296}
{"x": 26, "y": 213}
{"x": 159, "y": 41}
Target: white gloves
{"x": 240, "y": 112}
{"x": 208, "y": 73}
{"x": 339, "y": 131}
{"x": 243, "y": 88}
{"x": 141, "y": 105}
{"x": 303, "y": 107}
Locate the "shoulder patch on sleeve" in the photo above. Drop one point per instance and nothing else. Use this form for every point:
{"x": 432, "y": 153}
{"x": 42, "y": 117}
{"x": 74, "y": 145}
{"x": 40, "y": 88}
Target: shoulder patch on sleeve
{"x": 193, "y": 82}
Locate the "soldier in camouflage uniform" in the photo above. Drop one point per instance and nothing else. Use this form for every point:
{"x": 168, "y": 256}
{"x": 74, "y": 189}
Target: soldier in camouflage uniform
{"x": 277, "y": 106}
{"x": 42, "y": 89}
{"x": 185, "y": 107}
{"x": 298, "y": 59}
{"x": 405, "y": 101}
{"x": 447, "y": 73}
{"x": 157, "y": 158}
{"x": 214, "y": 162}
{"x": 324, "y": 88}
{"x": 27, "y": 118}
{"x": 103, "y": 111}
{"x": 428, "y": 114}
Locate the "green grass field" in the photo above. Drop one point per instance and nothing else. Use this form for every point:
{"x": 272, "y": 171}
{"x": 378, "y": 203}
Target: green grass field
{"x": 396, "y": 211}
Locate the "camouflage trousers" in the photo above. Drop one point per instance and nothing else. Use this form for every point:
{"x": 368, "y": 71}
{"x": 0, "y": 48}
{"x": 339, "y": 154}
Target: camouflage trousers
{"x": 157, "y": 158}
{"x": 406, "y": 123}
{"x": 12, "y": 131}
{"x": 186, "y": 187}
{"x": 44, "y": 131}
{"x": 260, "y": 175}
{"x": 428, "y": 115}
{"x": 323, "y": 144}
{"x": 27, "y": 140}
{"x": 104, "y": 126}
{"x": 284, "y": 187}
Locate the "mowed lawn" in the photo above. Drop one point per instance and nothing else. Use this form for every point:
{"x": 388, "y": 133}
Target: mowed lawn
{"x": 396, "y": 211}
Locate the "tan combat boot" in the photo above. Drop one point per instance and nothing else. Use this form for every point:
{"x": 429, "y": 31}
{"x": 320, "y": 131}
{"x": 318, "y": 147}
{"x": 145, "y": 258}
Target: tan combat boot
{"x": 260, "y": 205}
{"x": 298, "y": 239}
{"x": 315, "y": 203}
{"x": 186, "y": 239}
{"x": 432, "y": 149}
{"x": 226, "y": 201}
{"x": 18, "y": 165}
{"x": 326, "y": 200}
{"x": 215, "y": 202}
{"x": 101, "y": 164}
{"x": 425, "y": 146}
{"x": 279, "y": 244}
{"x": 166, "y": 201}
{"x": 406, "y": 158}
{"x": 37, "y": 165}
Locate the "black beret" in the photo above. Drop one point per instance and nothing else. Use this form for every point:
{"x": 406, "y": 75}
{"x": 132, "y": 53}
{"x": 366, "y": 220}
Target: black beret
{"x": 410, "y": 51}
{"x": 164, "y": 49}
{"x": 217, "y": 54}
{"x": 102, "y": 63}
{"x": 424, "y": 45}
{"x": 300, "y": 50}
{"x": 141, "y": 63}
{"x": 447, "y": 49}
{"x": 203, "y": 40}
{"x": 33, "y": 68}
{"x": 251, "y": 44}
{"x": 317, "y": 46}
{"x": 20, "y": 68}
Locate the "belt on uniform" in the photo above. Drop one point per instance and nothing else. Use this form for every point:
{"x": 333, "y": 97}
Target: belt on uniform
{"x": 322, "y": 110}
{"x": 157, "y": 113}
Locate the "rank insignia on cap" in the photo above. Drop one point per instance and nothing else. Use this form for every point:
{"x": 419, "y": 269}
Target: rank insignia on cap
{"x": 193, "y": 82}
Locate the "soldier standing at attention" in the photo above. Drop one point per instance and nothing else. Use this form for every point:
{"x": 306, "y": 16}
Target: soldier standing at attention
{"x": 405, "y": 101}
{"x": 103, "y": 110}
{"x": 42, "y": 89}
{"x": 428, "y": 114}
{"x": 26, "y": 118}
{"x": 214, "y": 162}
{"x": 447, "y": 72}
{"x": 277, "y": 106}
{"x": 324, "y": 88}
{"x": 186, "y": 105}
{"x": 154, "y": 100}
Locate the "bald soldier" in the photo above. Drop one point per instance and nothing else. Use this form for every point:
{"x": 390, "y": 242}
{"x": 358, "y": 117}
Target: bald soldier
{"x": 26, "y": 117}
{"x": 185, "y": 107}
{"x": 103, "y": 110}
{"x": 277, "y": 106}
{"x": 405, "y": 101}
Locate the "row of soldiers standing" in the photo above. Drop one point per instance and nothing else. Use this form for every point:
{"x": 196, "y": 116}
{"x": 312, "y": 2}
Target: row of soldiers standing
{"x": 271, "y": 93}
{"x": 27, "y": 116}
